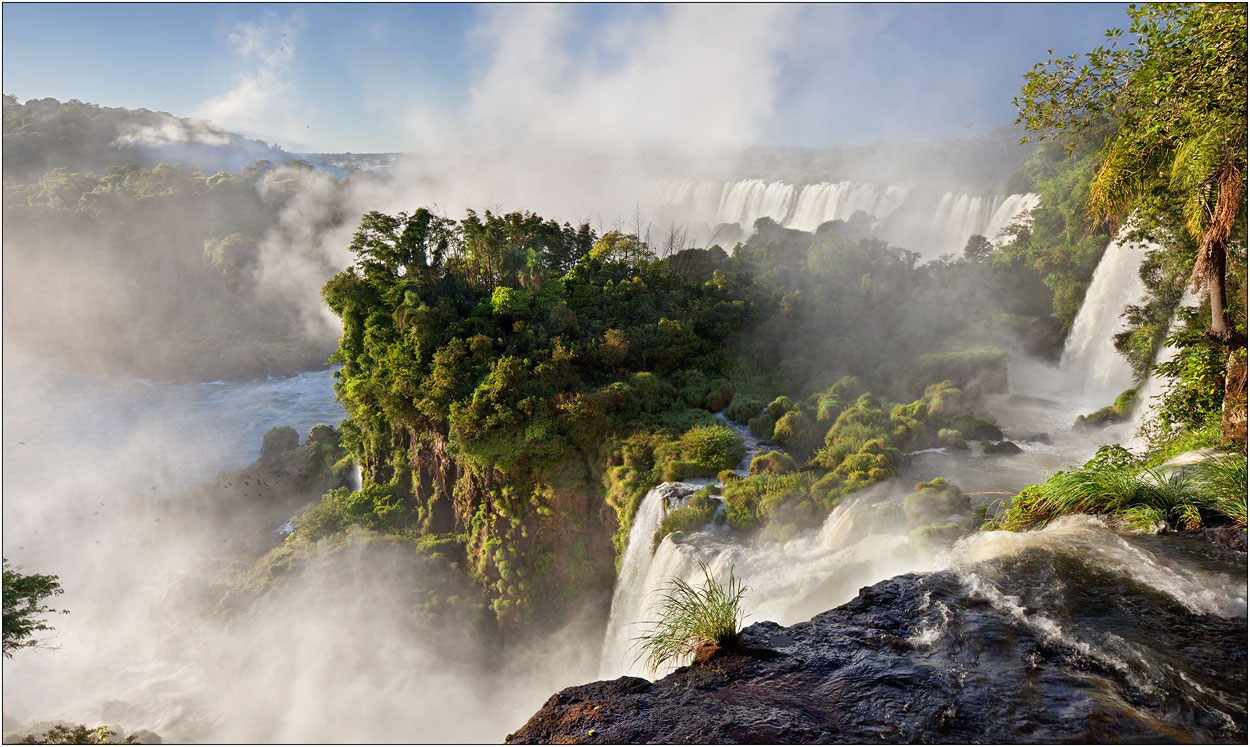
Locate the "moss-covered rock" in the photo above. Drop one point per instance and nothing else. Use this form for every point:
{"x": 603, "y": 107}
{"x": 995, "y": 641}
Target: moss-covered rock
{"x": 762, "y": 425}
{"x": 951, "y": 439}
{"x": 936, "y": 535}
{"x": 695, "y": 515}
{"x": 772, "y": 462}
{"x": 795, "y": 431}
{"x": 935, "y": 500}
{"x": 278, "y": 440}
{"x": 742, "y": 408}
{"x": 780, "y": 406}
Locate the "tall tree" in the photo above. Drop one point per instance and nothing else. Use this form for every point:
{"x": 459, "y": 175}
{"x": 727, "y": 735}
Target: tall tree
{"x": 1176, "y": 98}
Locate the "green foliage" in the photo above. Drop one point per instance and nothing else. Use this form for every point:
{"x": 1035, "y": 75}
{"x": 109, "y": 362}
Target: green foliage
{"x": 690, "y": 618}
{"x": 278, "y": 440}
{"x": 980, "y": 369}
{"x": 796, "y": 432}
{"x": 772, "y": 463}
{"x": 694, "y": 515}
{"x": 1118, "y": 412}
{"x": 743, "y": 408}
{"x": 934, "y": 500}
{"x": 24, "y": 608}
{"x": 80, "y": 734}
{"x": 712, "y": 448}
{"x": 1117, "y": 484}
{"x": 787, "y": 498}
{"x": 762, "y": 425}
{"x": 1222, "y": 480}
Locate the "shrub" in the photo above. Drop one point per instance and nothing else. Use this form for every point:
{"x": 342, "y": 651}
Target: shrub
{"x": 828, "y": 408}
{"x": 690, "y": 619}
{"x": 934, "y": 500}
{"x": 278, "y": 440}
{"x": 1223, "y": 480}
{"x": 848, "y": 388}
{"x": 796, "y": 432}
{"x": 762, "y": 425}
{"x": 713, "y": 448}
{"x": 773, "y": 463}
{"x": 694, "y": 515}
{"x": 780, "y": 406}
{"x": 1113, "y": 483}
{"x": 720, "y": 394}
{"x": 742, "y": 408}
{"x": 755, "y": 500}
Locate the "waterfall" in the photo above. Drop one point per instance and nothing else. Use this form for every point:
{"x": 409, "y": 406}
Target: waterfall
{"x": 786, "y": 581}
{"x": 1089, "y": 359}
{"x": 357, "y": 482}
{"x": 920, "y": 221}
{"x": 631, "y": 588}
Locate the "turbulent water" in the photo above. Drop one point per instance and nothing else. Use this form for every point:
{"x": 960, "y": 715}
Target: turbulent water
{"x": 94, "y": 469}
{"x": 817, "y": 570}
{"x": 932, "y": 224}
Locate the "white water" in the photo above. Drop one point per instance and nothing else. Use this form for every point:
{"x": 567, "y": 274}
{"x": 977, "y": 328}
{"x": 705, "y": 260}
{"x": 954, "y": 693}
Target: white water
{"x": 817, "y": 570}
{"x": 921, "y": 222}
{"x": 1093, "y": 366}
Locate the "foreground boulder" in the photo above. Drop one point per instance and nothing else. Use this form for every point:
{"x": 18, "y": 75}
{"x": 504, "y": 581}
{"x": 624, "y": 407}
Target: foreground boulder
{"x": 1032, "y": 647}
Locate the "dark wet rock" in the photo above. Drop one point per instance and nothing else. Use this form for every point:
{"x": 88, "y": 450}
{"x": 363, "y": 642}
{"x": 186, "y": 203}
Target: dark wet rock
{"x": 1032, "y": 648}
{"x": 1229, "y": 537}
{"x": 1003, "y": 447}
{"x": 1037, "y": 438}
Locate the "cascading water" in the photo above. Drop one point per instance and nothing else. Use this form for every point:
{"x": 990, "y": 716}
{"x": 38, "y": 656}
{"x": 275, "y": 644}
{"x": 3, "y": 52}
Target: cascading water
{"x": 788, "y": 581}
{"x": 1090, "y": 362}
{"x": 1155, "y": 385}
{"x": 898, "y": 213}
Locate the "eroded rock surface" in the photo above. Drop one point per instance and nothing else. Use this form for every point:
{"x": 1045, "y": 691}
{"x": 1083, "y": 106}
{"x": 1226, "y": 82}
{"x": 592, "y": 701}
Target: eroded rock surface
{"x": 1033, "y": 647}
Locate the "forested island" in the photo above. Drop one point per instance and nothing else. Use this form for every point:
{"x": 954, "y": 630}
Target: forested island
{"x": 519, "y": 389}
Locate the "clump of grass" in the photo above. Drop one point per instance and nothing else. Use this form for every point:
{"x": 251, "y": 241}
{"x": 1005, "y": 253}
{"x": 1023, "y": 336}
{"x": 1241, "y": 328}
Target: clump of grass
{"x": 691, "y": 618}
{"x": 1223, "y": 481}
{"x": 1115, "y": 484}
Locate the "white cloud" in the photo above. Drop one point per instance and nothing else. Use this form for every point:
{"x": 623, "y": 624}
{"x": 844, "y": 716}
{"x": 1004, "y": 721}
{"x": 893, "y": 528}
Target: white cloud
{"x": 573, "y": 109}
{"x": 263, "y": 102}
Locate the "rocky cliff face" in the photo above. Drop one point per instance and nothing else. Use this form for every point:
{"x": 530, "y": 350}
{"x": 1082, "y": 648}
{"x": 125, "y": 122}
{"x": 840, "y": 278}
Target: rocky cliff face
{"x": 1037, "y": 646}
{"x": 541, "y": 546}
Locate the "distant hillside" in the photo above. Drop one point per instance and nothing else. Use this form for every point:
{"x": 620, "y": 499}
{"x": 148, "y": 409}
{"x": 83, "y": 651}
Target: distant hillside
{"x": 44, "y": 134}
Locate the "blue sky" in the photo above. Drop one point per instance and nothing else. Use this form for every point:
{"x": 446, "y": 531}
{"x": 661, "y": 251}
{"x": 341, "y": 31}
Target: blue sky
{"x": 366, "y": 77}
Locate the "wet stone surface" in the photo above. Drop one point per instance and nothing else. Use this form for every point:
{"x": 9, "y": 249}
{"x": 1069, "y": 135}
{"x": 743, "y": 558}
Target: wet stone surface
{"x": 1033, "y": 647}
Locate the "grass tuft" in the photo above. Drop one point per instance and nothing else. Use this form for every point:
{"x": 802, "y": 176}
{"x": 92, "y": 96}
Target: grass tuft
{"x": 1223, "y": 480}
{"x": 690, "y": 618}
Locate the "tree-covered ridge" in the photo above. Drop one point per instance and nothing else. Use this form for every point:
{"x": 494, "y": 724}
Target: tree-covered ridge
{"x": 45, "y": 134}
